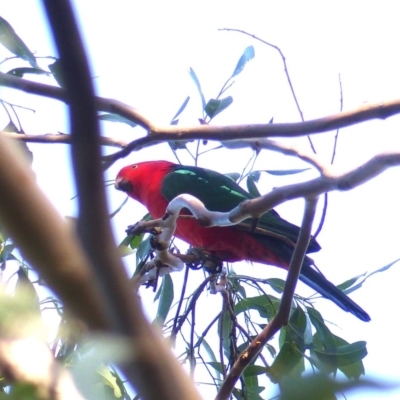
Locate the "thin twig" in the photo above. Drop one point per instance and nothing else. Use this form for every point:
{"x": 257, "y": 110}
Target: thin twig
{"x": 192, "y": 359}
{"x": 192, "y": 303}
{"x": 325, "y": 207}
{"x": 286, "y": 73}
{"x": 337, "y": 131}
{"x": 180, "y": 302}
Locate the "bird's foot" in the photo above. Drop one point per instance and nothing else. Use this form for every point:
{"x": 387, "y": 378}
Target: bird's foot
{"x": 204, "y": 259}
{"x": 143, "y": 227}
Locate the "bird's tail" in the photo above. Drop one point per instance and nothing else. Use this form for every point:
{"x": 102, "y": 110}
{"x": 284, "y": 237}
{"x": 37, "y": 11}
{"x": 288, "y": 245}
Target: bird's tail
{"x": 318, "y": 282}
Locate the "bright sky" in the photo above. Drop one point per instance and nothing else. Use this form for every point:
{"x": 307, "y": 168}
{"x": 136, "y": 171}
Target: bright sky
{"x": 141, "y": 53}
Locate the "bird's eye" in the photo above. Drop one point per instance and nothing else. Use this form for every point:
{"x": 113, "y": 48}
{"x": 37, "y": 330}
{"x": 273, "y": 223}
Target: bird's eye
{"x": 134, "y": 166}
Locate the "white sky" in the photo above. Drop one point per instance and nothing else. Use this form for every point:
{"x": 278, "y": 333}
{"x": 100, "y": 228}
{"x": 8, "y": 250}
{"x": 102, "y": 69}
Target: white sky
{"x": 140, "y": 54}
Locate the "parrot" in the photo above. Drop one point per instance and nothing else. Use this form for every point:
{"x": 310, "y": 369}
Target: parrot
{"x": 155, "y": 183}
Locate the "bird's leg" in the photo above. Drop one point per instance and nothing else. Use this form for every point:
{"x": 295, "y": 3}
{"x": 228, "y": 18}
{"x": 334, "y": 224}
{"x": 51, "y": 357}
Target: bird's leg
{"x": 144, "y": 227}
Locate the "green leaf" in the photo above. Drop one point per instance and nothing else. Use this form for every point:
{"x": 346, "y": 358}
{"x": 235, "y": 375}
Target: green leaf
{"x": 353, "y": 370}
{"x": 297, "y": 327}
{"x": 182, "y": 107}
{"x": 350, "y": 282}
{"x": 251, "y": 393}
{"x": 143, "y": 249}
{"x": 225, "y": 324}
{"x": 255, "y": 175}
{"x": 92, "y": 378}
{"x": 197, "y": 82}
{"x": 116, "y": 118}
{"x": 343, "y": 356}
{"x": 211, "y": 354}
{"x": 20, "y": 72}
{"x": 132, "y": 241}
{"x": 247, "y": 55}
{"x": 252, "y": 187}
{"x": 233, "y": 175}
{"x": 327, "y": 338}
{"x": 276, "y": 284}
{"x": 56, "y": 70}
{"x": 323, "y": 387}
{"x": 355, "y": 287}
{"x": 267, "y": 306}
{"x": 286, "y": 361}
{"x": 254, "y": 370}
{"x": 285, "y": 171}
{"x": 10, "y": 40}
{"x": 166, "y": 298}
{"x": 215, "y": 106}
{"x": 216, "y": 365}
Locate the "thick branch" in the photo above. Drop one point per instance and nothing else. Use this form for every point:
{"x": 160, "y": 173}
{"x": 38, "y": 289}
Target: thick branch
{"x": 149, "y": 354}
{"x": 157, "y": 134}
{"x": 45, "y": 239}
{"x": 53, "y": 92}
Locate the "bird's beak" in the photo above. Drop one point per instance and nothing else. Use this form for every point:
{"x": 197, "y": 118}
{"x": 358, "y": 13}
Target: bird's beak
{"x": 123, "y": 185}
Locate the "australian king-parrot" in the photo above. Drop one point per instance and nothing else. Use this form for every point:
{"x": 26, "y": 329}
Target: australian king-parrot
{"x": 156, "y": 183}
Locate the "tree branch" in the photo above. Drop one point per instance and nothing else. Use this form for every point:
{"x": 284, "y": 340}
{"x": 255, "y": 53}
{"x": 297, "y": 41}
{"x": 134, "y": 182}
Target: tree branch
{"x": 149, "y": 354}
{"x": 56, "y": 93}
{"x": 59, "y": 138}
{"x": 157, "y": 134}
{"x": 282, "y": 316}
{"x": 45, "y": 239}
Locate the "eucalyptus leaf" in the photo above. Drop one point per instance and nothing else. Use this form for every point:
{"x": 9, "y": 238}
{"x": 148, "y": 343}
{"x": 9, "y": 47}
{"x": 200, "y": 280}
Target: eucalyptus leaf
{"x": 286, "y": 361}
{"x": 116, "y": 118}
{"x": 252, "y": 187}
{"x": 343, "y": 356}
{"x": 355, "y": 287}
{"x": 233, "y": 175}
{"x": 182, "y": 107}
{"x": 20, "y": 72}
{"x": 10, "y": 40}
{"x": 197, "y": 83}
{"x": 327, "y": 338}
{"x": 165, "y": 299}
{"x": 267, "y": 306}
{"x": 285, "y": 171}
{"x": 56, "y": 70}
{"x": 214, "y": 106}
{"x": 247, "y": 55}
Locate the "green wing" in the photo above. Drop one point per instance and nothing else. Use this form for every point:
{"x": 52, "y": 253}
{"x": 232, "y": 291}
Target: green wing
{"x": 220, "y": 193}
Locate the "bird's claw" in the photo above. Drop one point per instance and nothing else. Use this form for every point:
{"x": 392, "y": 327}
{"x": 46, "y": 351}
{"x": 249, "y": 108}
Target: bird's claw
{"x": 206, "y": 260}
{"x": 142, "y": 227}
